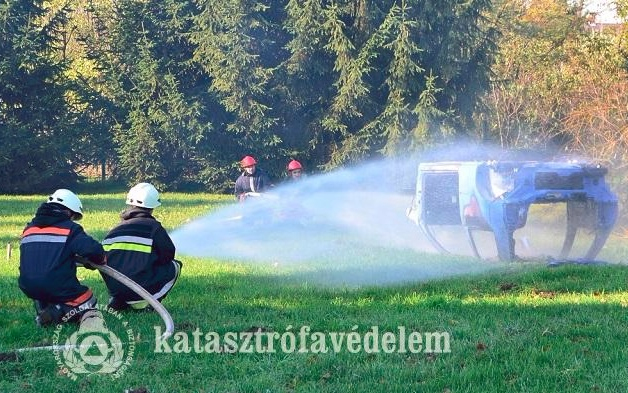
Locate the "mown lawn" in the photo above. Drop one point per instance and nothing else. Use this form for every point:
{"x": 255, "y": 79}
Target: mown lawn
{"x": 523, "y": 328}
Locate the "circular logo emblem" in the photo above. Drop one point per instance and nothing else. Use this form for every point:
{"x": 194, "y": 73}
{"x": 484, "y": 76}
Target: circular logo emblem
{"x": 103, "y": 344}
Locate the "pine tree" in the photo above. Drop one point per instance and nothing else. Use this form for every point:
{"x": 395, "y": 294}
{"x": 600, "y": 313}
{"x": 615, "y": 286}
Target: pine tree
{"x": 160, "y": 98}
{"x": 405, "y": 77}
{"x": 37, "y": 134}
{"x": 238, "y": 46}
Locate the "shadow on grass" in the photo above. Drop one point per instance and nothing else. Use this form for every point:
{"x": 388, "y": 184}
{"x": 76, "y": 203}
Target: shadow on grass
{"x": 534, "y": 330}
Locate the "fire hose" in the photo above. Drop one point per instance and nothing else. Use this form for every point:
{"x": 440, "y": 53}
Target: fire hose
{"x": 135, "y": 287}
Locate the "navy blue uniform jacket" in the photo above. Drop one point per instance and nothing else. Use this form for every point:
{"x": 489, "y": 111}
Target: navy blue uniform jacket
{"x": 47, "y": 249}
{"x": 259, "y": 180}
{"x": 140, "y": 248}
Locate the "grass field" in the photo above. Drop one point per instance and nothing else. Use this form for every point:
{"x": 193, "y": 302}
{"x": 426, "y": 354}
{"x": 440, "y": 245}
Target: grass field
{"x": 524, "y": 327}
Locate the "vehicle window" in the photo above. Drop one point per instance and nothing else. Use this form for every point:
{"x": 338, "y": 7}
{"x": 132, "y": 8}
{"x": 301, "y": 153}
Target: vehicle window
{"x": 501, "y": 182}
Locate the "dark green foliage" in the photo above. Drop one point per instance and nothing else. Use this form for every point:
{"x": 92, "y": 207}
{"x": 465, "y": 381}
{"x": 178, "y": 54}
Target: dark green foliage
{"x": 239, "y": 44}
{"x": 36, "y": 132}
{"x": 161, "y": 115}
{"x": 343, "y": 81}
{"x": 180, "y": 90}
{"x": 403, "y": 74}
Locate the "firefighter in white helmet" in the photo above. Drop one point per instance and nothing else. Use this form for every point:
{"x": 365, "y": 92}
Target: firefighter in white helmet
{"x": 48, "y": 250}
{"x": 140, "y": 248}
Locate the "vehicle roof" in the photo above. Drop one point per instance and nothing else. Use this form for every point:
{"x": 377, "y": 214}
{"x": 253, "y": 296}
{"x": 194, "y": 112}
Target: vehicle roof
{"x": 455, "y": 165}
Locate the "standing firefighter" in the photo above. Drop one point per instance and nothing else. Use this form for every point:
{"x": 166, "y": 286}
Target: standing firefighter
{"x": 252, "y": 179}
{"x": 140, "y": 248}
{"x": 48, "y": 250}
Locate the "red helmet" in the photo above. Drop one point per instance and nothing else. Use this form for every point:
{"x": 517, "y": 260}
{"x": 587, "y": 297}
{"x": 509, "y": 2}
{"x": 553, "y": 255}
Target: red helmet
{"x": 247, "y": 161}
{"x": 294, "y": 164}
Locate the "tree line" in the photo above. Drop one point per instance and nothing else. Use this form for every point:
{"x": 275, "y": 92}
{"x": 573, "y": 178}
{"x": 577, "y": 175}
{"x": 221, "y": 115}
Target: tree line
{"x": 176, "y": 91}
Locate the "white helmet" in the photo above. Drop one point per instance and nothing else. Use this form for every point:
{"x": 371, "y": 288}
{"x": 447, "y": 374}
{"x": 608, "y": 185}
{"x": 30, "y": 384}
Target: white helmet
{"x": 68, "y": 199}
{"x": 143, "y": 195}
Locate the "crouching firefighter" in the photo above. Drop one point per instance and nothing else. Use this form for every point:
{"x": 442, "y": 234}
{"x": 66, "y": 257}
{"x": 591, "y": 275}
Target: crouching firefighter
{"x": 49, "y": 246}
{"x": 140, "y": 248}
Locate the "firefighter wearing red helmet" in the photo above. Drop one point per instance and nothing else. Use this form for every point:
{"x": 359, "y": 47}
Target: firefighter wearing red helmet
{"x": 252, "y": 179}
{"x": 295, "y": 170}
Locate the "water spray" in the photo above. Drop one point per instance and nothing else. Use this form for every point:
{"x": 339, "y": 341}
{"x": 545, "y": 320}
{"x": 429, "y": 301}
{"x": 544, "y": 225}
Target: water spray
{"x": 346, "y": 227}
{"x": 350, "y": 226}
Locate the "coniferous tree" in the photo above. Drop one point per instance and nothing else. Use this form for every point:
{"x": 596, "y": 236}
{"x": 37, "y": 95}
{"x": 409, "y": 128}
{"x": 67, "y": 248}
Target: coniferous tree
{"x": 162, "y": 119}
{"x": 187, "y": 87}
{"x": 306, "y": 80}
{"x": 36, "y": 132}
{"x": 239, "y": 44}
{"x": 93, "y": 112}
{"x": 403, "y": 74}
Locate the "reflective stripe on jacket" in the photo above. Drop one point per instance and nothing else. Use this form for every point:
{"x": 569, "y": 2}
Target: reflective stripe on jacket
{"x": 140, "y": 248}
{"x": 47, "y": 249}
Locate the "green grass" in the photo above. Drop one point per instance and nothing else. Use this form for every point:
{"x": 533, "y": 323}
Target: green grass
{"x": 522, "y": 328}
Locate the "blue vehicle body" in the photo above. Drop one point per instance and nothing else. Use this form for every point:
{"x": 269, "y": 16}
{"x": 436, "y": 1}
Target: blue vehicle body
{"x": 496, "y": 197}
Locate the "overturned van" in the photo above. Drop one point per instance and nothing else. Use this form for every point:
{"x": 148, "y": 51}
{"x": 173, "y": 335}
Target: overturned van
{"x": 496, "y": 197}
